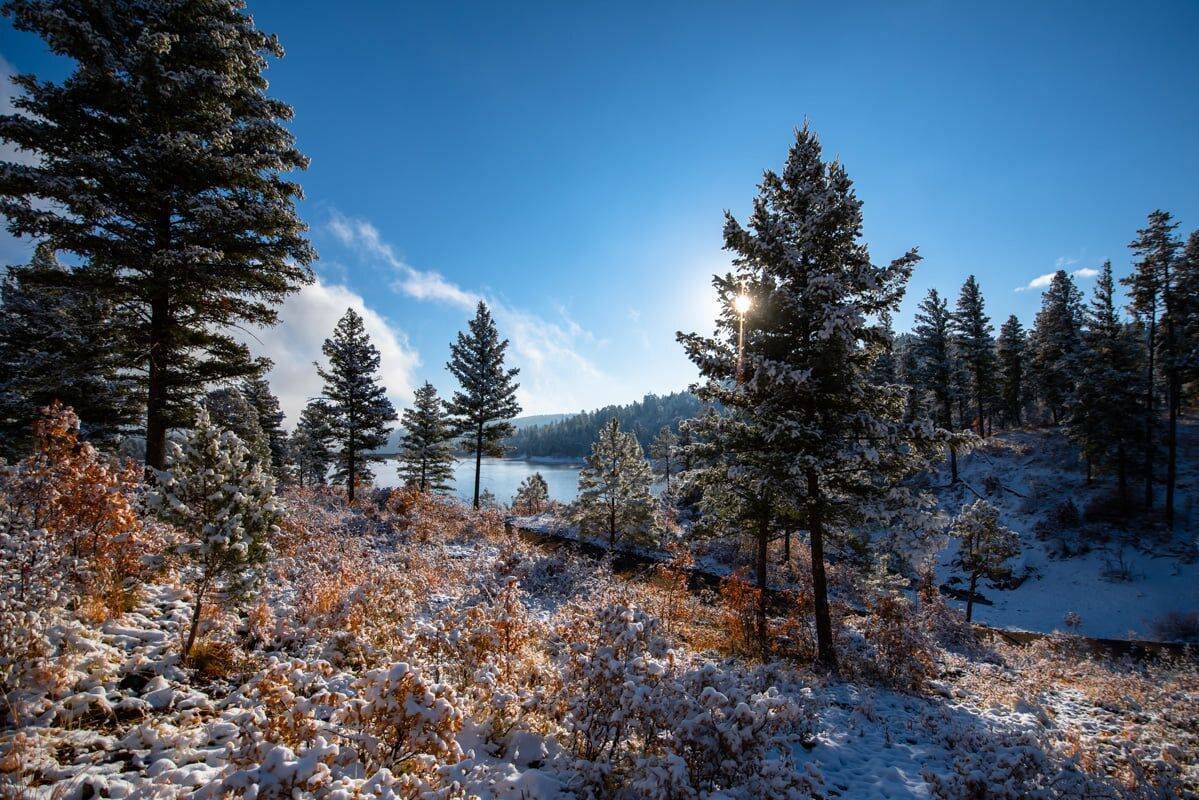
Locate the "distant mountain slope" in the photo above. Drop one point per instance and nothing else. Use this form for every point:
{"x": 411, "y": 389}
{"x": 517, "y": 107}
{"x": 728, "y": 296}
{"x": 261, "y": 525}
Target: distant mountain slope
{"x": 571, "y": 436}
{"x": 520, "y": 423}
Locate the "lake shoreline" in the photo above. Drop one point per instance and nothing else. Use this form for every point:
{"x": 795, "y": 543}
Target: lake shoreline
{"x": 501, "y": 476}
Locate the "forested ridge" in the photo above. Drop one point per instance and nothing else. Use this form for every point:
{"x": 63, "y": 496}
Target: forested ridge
{"x": 572, "y": 437}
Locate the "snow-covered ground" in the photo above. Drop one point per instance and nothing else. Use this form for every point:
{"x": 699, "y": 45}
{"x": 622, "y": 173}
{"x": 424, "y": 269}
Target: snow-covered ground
{"x": 1037, "y": 472}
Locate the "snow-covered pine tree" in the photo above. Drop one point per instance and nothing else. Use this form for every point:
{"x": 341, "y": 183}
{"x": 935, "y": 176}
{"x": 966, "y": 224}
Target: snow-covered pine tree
{"x": 159, "y": 162}
{"x": 532, "y": 496}
{"x": 1011, "y": 352}
{"x": 229, "y": 410}
{"x": 224, "y": 505}
{"x": 614, "y": 497}
{"x": 808, "y": 423}
{"x": 57, "y": 343}
{"x": 310, "y": 444}
{"x": 1154, "y": 250}
{"x": 487, "y": 400}
{"x": 974, "y": 345}
{"x": 357, "y": 409}
{"x": 908, "y": 373}
{"x": 935, "y": 359}
{"x": 1107, "y": 393}
{"x": 426, "y": 458}
{"x": 258, "y": 394}
{"x": 664, "y": 451}
{"x": 985, "y": 547}
{"x": 1186, "y": 290}
{"x": 886, "y": 367}
{"x": 1055, "y": 342}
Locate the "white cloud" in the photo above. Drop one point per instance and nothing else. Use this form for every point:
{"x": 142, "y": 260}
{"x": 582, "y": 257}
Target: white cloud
{"x": 554, "y": 373}
{"x": 306, "y": 319}
{"x": 1042, "y": 281}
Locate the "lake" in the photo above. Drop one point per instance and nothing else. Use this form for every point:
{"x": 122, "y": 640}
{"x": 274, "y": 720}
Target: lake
{"x": 501, "y": 475}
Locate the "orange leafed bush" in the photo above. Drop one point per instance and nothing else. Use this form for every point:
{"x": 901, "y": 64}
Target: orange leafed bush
{"x": 739, "y": 603}
{"x": 85, "y": 504}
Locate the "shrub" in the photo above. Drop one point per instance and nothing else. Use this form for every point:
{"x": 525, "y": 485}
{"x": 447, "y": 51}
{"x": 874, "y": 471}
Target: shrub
{"x": 739, "y": 600}
{"x": 86, "y": 507}
{"x": 644, "y": 722}
{"x": 1177, "y": 626}
{"x": 402, "y": 721}
{"x": 903, "y": 655}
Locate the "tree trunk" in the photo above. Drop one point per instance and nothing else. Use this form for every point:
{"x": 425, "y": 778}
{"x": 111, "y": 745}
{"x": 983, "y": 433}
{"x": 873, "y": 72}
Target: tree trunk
{"x": 763, "y": 538}
{"x": 478, "y": 461}
{"x": 787, "y": 547}
{"x": 156, "y": 425}
{"x": 195, "y": 625}
{"x": 970, "y": 599}
{"x": 824, "y": 624}
{"x": 1122, "y": 471}
{"x": 1149, "y": 417}
{"x": 352, "y": 477}
{"x": 611, "y": 524}
{"x": 1174, "y": 399}
{"x": 978, "y": 400}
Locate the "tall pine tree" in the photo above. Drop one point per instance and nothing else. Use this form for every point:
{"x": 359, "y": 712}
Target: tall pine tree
{"x": 310, "y": 444}
{"x": 159, "y": 163}
{"x": 972, "y": 341}
{"x": 1106, "y": 395}
{"x": 935, "y": 360}
{"x": 664, "y": 451}
{"x": 1154, "y": 249}
{"x": 1055, "y": 344}
{"x": 426, "y": 458}
{"x": 358, "y": 411}
{"x": 1186, "y": 289}
{"x": 808, "y": 422}
{"x": 258, "y": 394}
{"x": 57, "y": 343}
{"x": 1011, "y": 352}
{"x": 487, "y": 400}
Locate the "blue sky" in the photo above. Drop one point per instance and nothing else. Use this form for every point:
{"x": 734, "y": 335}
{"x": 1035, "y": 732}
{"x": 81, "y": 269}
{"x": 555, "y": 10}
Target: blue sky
{"x": 570, "y": 162}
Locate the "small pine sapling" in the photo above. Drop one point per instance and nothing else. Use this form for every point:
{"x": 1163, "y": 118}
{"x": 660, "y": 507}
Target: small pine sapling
{"x": 985, "y": 547}
{"x": 225, "y": 508}
{"x": 532, "y": 496}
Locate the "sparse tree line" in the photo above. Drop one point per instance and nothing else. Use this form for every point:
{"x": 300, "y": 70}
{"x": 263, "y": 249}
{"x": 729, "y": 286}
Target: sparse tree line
{"x": 1107, "y": 376}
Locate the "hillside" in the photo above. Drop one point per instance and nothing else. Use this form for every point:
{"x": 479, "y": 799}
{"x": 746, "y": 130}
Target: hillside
{"x": 1121, "y": 575}
{"x": 573, "y": 435}
{"x": 520, "y": 423}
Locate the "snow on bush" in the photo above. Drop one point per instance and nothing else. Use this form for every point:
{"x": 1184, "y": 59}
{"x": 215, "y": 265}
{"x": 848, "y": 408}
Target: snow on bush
{"x": 646, "y": 721}
{"x": 402, "y": 721}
